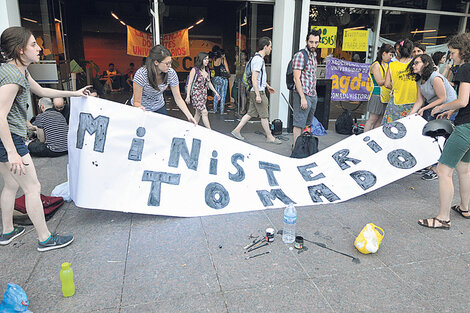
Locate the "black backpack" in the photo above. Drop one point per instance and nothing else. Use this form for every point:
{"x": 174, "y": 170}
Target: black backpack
{"x": 344, "y": 123}
{"x": 290, "y": 72}
{"x": 305, "y": 145}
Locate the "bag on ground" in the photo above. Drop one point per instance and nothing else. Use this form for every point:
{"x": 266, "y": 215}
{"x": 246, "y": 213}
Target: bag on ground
{"x": 63, "y": 191}
{"x": 369, "y": 239}
{"x": 14, "y": 300}
{"x": 50, "y": 204}
{"x": 344, "y": 123}
{"x": 317, "y": 128}
{"x": 305, "y": 145}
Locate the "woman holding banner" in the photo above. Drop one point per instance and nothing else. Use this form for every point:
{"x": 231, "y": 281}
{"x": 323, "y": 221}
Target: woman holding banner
{"x": 456, "y": 152}
{"x": 380, "y": 95}
{"x": 196, "y": 89}
{"x": 403, "y": 86}
{"x": 152, "y": 79}
{"x": 18, "y": 49}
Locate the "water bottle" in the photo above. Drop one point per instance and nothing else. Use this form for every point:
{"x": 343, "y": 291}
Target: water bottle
{"x": 66, "y": 277}
{"x": 290, "y": 219}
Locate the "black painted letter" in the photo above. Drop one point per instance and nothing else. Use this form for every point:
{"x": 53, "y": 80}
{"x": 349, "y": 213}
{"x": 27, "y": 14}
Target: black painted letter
{"x": 400, "y": 130}
{"x": 269, "y": 168}
{"x": 321, "y": 190}
{"x": 307, "y": 173}
{"x": 266, "y": 197}
{"x": 240, "y": 174}
{"x": 178, "y": 147}
{"x": 365, "y": 179}
{"x": 341, "y": 157}
{"x": 216, "y": 196}
{"x": 97, "y": 126}
{"x": 401, "y": 159}
{"x": 157, "y": 178}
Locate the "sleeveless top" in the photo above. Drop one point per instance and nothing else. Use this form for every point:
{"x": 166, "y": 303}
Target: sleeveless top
{"x": 404, "y": 86}
{"x": 380, "y": 90}
{"x": 427, "y": 89}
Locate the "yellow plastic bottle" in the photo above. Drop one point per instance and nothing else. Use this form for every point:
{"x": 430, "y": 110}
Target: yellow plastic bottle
{"x": 66, "y": 277}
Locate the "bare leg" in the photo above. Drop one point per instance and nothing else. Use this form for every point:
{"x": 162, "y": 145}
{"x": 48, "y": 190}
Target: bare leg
{"x": 296, "y": 132}
{"x": 242, "y": 123}
{"x": 267, "y": 131}
{"x": 370, "y": 124}
{"x": 32, "y": 190}
{"x": 197, "y": 116}
{"x": 463, "y": 171}
{"x": 378, "y": 123}
{"x": 7, "y": 199}
{"x": 205, "y": 118}
{"x": 446, "y": 190}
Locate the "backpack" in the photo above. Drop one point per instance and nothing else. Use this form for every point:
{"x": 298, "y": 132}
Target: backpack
{"x": 344, "y": 123}
{"x": 305, "y": 145}
{"x": 290, "y": 72}
{"x": 194, "y": 79}
{"x": 276, "y": 127}
{"x": 247, "y": 74}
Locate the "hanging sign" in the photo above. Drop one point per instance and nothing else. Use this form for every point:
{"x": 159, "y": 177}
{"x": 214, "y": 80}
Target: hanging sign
{"x": 177, "y": 43}
{"x": 328, "y": 36}
{"x": 138, "y": 43}
{"x": 355, "y": 40}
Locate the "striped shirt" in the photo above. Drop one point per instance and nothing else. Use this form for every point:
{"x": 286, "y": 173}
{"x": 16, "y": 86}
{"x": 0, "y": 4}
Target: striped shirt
{"x": 55, "y": 129}
{"x": 307, "y": 75}
{"x": 152, "y": 99}
{"x": 10, "y": 74}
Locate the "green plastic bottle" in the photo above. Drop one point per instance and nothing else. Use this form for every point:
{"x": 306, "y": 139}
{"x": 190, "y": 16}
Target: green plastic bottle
{"x": 66, "y": 277}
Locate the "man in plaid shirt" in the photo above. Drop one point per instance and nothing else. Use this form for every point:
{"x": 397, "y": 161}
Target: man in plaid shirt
{"x": 305, "y": 95}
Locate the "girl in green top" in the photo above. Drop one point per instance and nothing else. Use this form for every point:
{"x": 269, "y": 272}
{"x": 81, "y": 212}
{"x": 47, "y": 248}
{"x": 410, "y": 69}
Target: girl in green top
{"x": 18, "y": 50}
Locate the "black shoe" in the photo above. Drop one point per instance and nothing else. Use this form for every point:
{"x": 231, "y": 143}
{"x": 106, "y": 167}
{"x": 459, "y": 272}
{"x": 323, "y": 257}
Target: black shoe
{"x": 430, "y": 175}
{"x": 7, "y": 238}
{"x": 55, "y": 242}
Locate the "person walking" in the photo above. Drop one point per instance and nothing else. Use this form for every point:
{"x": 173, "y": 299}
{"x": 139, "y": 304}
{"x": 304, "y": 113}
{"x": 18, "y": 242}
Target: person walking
{"x": 305, "y": 80}
{"x": 18, "y": 50}
{"x": 258, "y": 102}
{"x": 220, "y": 74}
{"x": 380, "y": 95}
{"x": 402, "y": 85}
{"x": 196, "y": 89}
{"x": 456, "y": 152}
{"x": 152, "y": 79}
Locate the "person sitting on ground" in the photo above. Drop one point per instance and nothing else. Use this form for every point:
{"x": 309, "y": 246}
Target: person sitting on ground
{"x": 130, "y": 75}
{"x": 456, "y": 152}
{"x": 51, "y": 129}
{"x": 112, "y": 78}
{"x": 62, "y": 107}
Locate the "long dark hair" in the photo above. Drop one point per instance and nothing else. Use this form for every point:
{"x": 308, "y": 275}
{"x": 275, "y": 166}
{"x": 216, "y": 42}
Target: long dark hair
{"x": 199, "y": 62}
{"x": 437, "y": 56}
{"x": 428, "y": 67}
{"x": 157, "y": 53}
{"x": 405, "y": 48}
{"x": 384, "y": 48}
{"x": 13, "y": 40}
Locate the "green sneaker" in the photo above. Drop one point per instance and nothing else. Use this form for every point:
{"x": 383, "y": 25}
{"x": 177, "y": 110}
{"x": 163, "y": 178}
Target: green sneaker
{"x": 55, "y": 242}
{"x": 7, "y": 238}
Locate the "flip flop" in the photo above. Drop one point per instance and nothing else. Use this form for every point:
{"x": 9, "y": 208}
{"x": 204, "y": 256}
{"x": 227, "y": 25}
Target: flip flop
{"x": 444, "y": 224}
{"x": 457, "y": 209}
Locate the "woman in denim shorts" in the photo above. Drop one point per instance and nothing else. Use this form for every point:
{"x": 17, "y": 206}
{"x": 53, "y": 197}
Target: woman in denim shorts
{"x": 456, "y": 153}
{"x": 18, "y": 49}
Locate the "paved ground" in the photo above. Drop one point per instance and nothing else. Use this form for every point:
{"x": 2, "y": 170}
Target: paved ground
{"x": 139, "y": 263}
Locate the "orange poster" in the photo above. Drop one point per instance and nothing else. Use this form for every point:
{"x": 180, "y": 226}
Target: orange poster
{"x": 184, "y": 64}
{"x": 138, "y": 43}
{"x": 177, "y": 43}
{"x": 241, "y": 41}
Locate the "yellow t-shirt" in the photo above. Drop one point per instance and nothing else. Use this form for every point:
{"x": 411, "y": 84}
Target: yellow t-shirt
{"x": 404, "y": 86}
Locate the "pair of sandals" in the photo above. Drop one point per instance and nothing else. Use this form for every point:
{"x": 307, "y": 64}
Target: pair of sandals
{"x": 431, "y": 222}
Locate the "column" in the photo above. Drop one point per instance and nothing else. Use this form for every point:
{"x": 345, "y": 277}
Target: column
{"x": 9, "y": 14}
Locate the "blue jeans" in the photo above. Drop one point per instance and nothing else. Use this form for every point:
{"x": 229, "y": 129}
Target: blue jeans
{"x": 220, "y": 85}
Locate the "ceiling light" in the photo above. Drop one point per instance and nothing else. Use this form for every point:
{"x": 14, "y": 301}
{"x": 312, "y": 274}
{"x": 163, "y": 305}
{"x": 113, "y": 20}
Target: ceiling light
{"x": 200, "y": 21}
{"x": 192, "y": 26}
{"x": 122, "y": 22}
{"x": 57, "y": 20}
{"x": 114, "y": 15}
{"x": 423, "y": 31}
{"x": 266, "y": 29}
{"x": 435, "y": 37}
{"x": 353, "y": 28}
{"x": 30, "y": 20}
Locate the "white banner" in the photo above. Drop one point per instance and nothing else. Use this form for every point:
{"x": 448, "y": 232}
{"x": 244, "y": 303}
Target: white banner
{"x": 124, "y": 159}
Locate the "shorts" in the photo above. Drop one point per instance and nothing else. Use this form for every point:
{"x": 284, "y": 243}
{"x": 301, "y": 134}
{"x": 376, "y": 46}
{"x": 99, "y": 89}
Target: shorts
{"x": 256, "y": 109}
{"x": 304, "y": 118}
{"x": 19, "y": 145}
{"x": 457, "y": 147}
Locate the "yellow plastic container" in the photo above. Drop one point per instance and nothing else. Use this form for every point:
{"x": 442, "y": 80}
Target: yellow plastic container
{"x": 369, "y": 239}
{"x": 66, "y": 277}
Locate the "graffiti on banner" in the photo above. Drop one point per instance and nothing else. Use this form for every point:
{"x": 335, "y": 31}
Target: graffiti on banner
{"x": 124, "y": 159}
{"x": 351, "y": 81}
{"x": 177, "y": 43}
{"x": 138, "y": 43}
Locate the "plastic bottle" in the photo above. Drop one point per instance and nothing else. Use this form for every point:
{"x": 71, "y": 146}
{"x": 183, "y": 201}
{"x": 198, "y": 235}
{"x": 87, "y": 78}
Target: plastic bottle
{"x": 66, "y": 277}
{"x": 290, "y": 219}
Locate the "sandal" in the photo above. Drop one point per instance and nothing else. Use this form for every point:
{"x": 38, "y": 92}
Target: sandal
{"x": 457, "y": 209}
{"x": 444, "y": 224}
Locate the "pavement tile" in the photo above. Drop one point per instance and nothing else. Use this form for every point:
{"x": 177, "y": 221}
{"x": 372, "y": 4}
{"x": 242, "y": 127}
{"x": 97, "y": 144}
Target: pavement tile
{"x": 442, "y": 280}
{"x": 283, "y": 296}
{"x": 141, "y": 308}
{"x": 211, "y": 303}
{"x": 375, "y": 290}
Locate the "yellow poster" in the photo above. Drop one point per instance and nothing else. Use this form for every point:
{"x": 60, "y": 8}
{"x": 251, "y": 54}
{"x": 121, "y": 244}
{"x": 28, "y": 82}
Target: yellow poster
{"x": 177, "y": 43}
{"x": 184, "y": 64}
{"x": 138, "y": 43}
{"x": 355, "y": 40}
{"x": 327, "y": 37}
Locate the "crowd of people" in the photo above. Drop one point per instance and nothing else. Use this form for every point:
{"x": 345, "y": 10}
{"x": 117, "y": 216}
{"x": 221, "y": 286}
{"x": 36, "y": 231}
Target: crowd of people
{"x": 406, "y": 81}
